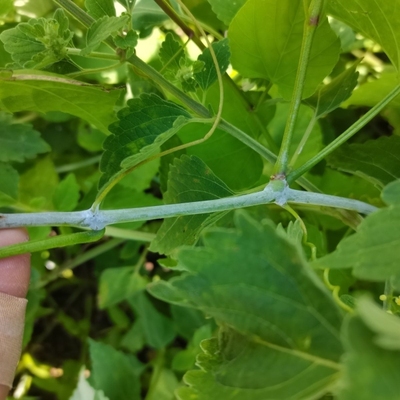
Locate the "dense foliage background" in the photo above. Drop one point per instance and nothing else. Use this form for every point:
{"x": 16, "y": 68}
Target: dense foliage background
{"x": 267, "y": 303}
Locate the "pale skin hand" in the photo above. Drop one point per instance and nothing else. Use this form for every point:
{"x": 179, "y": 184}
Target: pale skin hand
{"x": 14, "y": 273}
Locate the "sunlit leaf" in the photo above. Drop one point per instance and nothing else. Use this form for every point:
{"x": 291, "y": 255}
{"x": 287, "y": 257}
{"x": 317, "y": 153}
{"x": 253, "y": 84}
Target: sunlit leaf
{"x": 100, "y": 8}
{"x": 66, "y": 194}
{"x": 265, "y": 39}
{"x": 226, "y": 10}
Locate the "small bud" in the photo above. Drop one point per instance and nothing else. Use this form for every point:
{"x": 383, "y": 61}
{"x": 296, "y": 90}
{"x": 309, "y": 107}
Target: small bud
{"x": 382, "y": 297}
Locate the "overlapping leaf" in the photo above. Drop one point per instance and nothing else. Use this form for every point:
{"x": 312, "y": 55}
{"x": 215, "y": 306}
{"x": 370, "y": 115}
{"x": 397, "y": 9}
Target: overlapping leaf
{"x": 208, "y": 75}
{"x": 377, "y": 161}
{"x": 279, "y": 333}
{"x": 373, "y": 251}
{"x": 331, "y": 96}
{"x": 143, "y": 126}
{"x": 226, "y": 10}
{"x": 38, "y": 42}
{"x": 100, "y": 8}
{"x": 378, "y": 20}
{"x": 265, "y": 39}
{"x": 372, "y": 357}
{"x": 19, "y": 142}
{"x": 189, "y": 180}
{"x": 28, "y": 90}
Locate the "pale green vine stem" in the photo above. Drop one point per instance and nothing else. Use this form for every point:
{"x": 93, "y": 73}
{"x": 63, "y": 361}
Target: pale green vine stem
{"x": 335, "y": 292}
{"x": 310, "y": 25}
{"x": 345, "y": 136}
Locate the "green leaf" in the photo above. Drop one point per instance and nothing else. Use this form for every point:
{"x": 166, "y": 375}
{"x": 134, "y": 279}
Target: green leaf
{"x": 376, "y": 19}
{"x": 101, "y": 29}
{"x": 391, "y": 193}
{"x": 8, "y": 184}
{"x": 372, "y": 356}
{"x": 377, "y": 161}
{"x": 171, "y": 52}
{"x": 265, "y": 39}
{"x": 279, "y": 335}
{"x": 113, "y": 372}
{"x": 118, "y": 284}
{"x": 19, "y": 142}
{"x": 373, "y": 92}
{"x": 226, "y": 10}
{"x": 372, "y": 250}
{"x": 189, "y": 180}
{"x": 143, "y": 126}
{"x": 66, "y": 194}
{"x": 29, "y": 90}
{"x": 100, "y": 8}
{"x": 158, "y": 330}
{"x": 38, "y": 42}
{"x": 208, "y": 75}
{"x": 129, "y": 41}
{"x": 6, "y": 7}
{"x": 331, "y": 96}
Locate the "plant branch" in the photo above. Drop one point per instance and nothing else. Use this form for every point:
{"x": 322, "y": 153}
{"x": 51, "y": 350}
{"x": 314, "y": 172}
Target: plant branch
{"x": 345, "y": 136}
{"x": 310, "y": 25}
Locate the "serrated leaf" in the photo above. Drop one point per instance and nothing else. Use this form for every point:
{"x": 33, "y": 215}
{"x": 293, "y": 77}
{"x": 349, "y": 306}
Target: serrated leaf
{"x": 226, "y": 10}
{"x": 29, "y": 90}
{"x": 208, "y": 75}
{"x": 8, "y": 182}
{"x": 372, "y": 251}
{"x": 331, "y": 96}
{"x": 113, "y": 372}
{"x": 38, "y": 42}
{"x": 129, "y": 41}
{"x": 377, "y": 161}
{"x": 143, "y": 126}
{"x": 101, "y": 30}
{"x": 376, "y": 19}
{"x": 370, "y": 365}
{"x": 279, "y": 335}
{"x": 100, "y": 8}
{"x": 189, "y": 180}
{"x": 66, "y": 194}
{"x": 19, "y": 142}
{"x": 171, "y": 52}
{"x": 275, "y": 54}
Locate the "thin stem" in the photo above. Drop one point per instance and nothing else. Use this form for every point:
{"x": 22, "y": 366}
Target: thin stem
{"x": 79, "y": 260}
{"x": 345, "y": 136}
{"x": 76, "y": 12}
{"x": 71, "y": 51}
{"x": 303, "y": 141}
{"x": 94, "y": 70}
{"x": 129, "y": 234}
{"x": 78, "y": 165}
{"x": 310, "y": 25}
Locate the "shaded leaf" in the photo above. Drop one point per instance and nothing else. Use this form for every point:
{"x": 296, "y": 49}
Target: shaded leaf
{"x": 370, "y": 365}
{"x": 8, "y": 180}
{"x": 19, "y": 142}
{"x": 331, "y": 96}
{"x": 113, "y": 372}
{"x": 376, "y": 19}
{"x": 66, "y": 194}
{"x": 269, "y": 33}
{"x": 100, "y": 8}
{"x": 171, "y": 52}
{"x": 129, "y": 41}
{"x": 101, "y": 30}
{"x": 29, "y": 90}
{"x": 189, "y": 180}
{"x": 373, "y": 251}
{"x": 157, "y": 329}
{"x": 38, "y": 42}
{"x": 377, "y": 161}
{"x": 143, "y": 126}
{"x": 208, "y": 75}
{"x": 279, "y": 335}
{"x": 226, "y": 10}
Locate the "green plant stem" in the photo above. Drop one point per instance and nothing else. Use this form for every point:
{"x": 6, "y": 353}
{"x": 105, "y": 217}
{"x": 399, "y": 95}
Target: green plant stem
{"x": 82, "y": 258}
{"x": 311, "y": 23}
{"x": 78, "y": 165}
{"x": 74, "y": 10}
{"x": 129, "y": 234}
{"x": 345, "y": 136}
{"x": 71, "y": 51}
